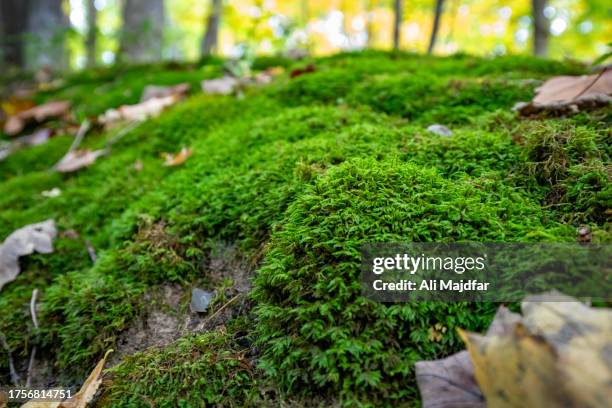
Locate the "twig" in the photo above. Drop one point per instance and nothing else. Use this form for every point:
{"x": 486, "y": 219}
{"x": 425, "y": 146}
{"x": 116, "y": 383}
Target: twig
{"x": 91, "y": 251}
{"x": 33, "y": 308}
{"x": 124, "y": 131}
{"x": 14, "y": 376}
{"x": 589, "y": 86}
{"x": 220, "y": 309}
{"x": 79, "y": 136}
{"x": 77, "y": 140}
{"x": 30, "y": 367}
{"x": 33, "y": 353}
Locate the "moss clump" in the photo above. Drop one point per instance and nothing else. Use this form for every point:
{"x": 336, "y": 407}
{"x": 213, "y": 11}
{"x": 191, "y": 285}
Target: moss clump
{"x": 314, "y": 327}
{"x": 199, "y": 370}
{"x": 573, "y": 162}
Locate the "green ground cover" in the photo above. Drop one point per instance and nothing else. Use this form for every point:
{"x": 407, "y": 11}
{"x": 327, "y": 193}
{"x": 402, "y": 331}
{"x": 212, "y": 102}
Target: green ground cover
{"x": 295, "y": 175}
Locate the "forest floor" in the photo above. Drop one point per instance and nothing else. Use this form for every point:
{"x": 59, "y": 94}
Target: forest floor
{"x": 283, "y": 185}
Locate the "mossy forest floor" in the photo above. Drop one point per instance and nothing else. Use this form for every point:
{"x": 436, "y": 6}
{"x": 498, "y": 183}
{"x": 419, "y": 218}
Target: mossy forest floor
{"x": 283, "y": 187}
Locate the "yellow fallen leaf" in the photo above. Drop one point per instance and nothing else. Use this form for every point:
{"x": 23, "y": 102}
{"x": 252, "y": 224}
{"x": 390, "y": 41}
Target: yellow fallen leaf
{"x": 551, "y": 357}
{"x": 89, "y": 388}
{"x": 178, "y": 159}
{"x": 81, "y": 398}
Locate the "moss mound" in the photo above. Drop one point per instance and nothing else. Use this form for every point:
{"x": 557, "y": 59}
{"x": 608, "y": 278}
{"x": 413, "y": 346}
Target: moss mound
{"x": 294, "y": 176}
{"x": 315, "y": 328}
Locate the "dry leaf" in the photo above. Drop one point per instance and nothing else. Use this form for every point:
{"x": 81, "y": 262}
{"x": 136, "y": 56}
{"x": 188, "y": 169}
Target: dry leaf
{"x": 15, "y": 105}
{"x": 78, "y": 159}
{"x": 310, "y": 68}
{"x": 41, "y": 404}
{"x": 179, "y": 158}
{"x": 139, "y": 112}
{"x": 553, "y": 357}
{"x": 450, "y": 382}
{"x": 570, "y": 93}
{"x": 158, "y": 91}
{"x": 89, "y": 388}
{"x": 81, "y": 398}
{"x": 39, "y": 137}
{"x": 54, "y": 192}
{"x": 54, "y": 109}
{"x": 24, "y": 241}
{"x": 221, "y": 86}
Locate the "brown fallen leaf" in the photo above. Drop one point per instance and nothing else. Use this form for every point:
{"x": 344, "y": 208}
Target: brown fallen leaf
{"x": 15, "y": 105}
{"x": 41, "y": 404}
{"x": 552, "y": 357}
{"x": 178, "y": 159}
{"x": 39, "y": 137}
{"x": 80, "y": 399}
{"x": 220, "y": 86}
{"x": 308, "y": 69}
{"x": 139, "y": 112}
{"x": 570, "y": 93}
{"x": 450, "y": 382}
{"x": 77, "y": 159}
{"x": 89, "y": 388}
{"x": 24, "y": 241}
{"x": 159, "y": 91}
{"x": 54, "y": 109}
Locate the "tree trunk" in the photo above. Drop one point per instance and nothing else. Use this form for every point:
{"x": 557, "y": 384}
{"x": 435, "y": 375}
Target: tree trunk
{"x": 210, "y": 41}
{"x": 92, "y": 31}
{"x": 14, "y": 14}
{"x": 436, "y": 25}
{"x": 540, "y": 28}
{"x": 369, "y": 22}
{"x": 142, "y": 31}
{"x": 47, "y": 29}
{"x": 397, "y": 10}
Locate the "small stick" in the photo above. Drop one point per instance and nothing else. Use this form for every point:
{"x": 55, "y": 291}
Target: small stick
{"x": 33, "y": 353}
{"x": 33, "y": 308}
{"x": 91, "y": 251}
{"x": 589, "y": 86}
{"x": 221, "y": 309}
{"x": 124, "y": 131}
{"x": 77, "y": 140}
{"x": 14, "y": 376}
{"x": 80, "y": 135}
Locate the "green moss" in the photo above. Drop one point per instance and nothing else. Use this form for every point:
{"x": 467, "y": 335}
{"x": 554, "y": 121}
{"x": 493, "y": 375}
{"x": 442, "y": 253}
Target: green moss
{"x": 297, "y": 174}
{"x": 316, "y": 331}
{"x": 200, "y": 370}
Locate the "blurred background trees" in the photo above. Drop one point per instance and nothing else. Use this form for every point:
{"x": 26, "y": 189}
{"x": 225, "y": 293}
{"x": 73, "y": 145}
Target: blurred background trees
{"x": 61, "y": 34}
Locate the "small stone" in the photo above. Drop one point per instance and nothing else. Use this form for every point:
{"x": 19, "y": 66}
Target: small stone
{"x": 584, "y": 234}
{"x": 200, "y": 299}
{"x": 440, "y": 130}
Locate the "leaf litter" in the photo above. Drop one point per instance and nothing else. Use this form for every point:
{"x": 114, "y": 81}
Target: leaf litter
{"x": 25, "y": 241}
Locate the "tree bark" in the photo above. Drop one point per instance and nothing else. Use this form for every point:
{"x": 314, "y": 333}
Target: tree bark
{"x": 47, "y": 29}
{"x": 92, "y": 31}
{"x": 142, "y": 31}
{"x": 540, "y": 28}
{"x": 397, "y": 10}
{"x": 210, "y": 41}
{"x": 436, "y": 25}
{"x": 14, "y": 14}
